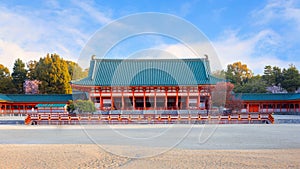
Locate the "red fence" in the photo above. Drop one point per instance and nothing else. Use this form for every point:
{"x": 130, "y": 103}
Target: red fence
{"x": 60, "y": 119}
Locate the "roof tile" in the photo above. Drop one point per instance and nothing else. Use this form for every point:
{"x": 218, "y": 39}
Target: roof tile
{"x": 268, "y": 96}
{"x": 148, "y": 72}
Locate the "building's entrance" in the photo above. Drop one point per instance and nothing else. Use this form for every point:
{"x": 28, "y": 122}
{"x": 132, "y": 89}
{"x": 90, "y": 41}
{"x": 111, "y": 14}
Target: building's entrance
{"x": 140, "y": 104}
{"x": 253, "y": 107}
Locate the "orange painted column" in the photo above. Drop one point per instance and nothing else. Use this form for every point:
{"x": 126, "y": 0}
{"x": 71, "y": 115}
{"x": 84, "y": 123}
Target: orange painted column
{"x": 280, "y": 106}
{"x": 90, "y": 92}
{"x": 260, "y": 107}
{"x": 19, "y": 110}
{"x": 101, "y": 101}
{"x": 198, "y": 99}
{"x": 248, "y": 108}
{"x": 133, "y": 102}
{"x": 166, "y": 99}
{"x": 144, "y": 98}
{"x": 188, "y": 98}
{"x": 155, "y": 98}
{"x": 24, "y": 108}
{"x": 176, "y": 104}
{"x": 123, "y": 103}
{"x": 111, "y": 98}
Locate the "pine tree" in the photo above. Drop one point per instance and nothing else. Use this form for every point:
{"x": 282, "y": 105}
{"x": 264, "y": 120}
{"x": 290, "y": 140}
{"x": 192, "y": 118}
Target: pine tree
{"x": 291, "y": 79}
{"x": 19, "y": 75}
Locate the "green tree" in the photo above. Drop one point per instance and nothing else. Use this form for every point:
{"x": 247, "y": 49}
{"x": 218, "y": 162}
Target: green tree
{"x": 272, "y": 75}
{"x": 31, "y": 73}
{"x": 291, "y": 79}
{"x": 219, "y": 74}
{"x": 76, "y": 71}
{"x": 19, "y": 75}
{"x": 6, "y": 85}
{"x": 268, "y": 75}
{"x": 52, "y": 72}
{"x": 4, "y": 72}
{"x": 277, "y": 73}
{"x": 86, "y": 72}
{"x": 238, "y": 73}
{"x": 81, "y": 106}
{"x": 254, "y": 85}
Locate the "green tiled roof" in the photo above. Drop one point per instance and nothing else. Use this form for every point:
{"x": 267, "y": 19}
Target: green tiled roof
{"x": 38, "y": 98}
{"x": 42, "y": 98}
{"x": 3, "y": 97}
{"x": 268, "y": 96}
{"x": 148, "y": 72}
{"x": 51, "y": 105}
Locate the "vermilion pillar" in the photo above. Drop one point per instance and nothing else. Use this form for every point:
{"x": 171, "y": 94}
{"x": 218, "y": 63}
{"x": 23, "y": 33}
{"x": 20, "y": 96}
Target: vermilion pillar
{"x": 166, "y": 98}
{"x": 133, "y": 100}
{"x": 123, "y": 104}
{"x": 111, "y": 98}
{"x": 198, "y": 99}
{"x": 188, "y": 98}
{"x": 144, "y": 98}
{"x": 177, "y": 90}
{"x": 101, "y": 101}
{"x": 155, "y": 98}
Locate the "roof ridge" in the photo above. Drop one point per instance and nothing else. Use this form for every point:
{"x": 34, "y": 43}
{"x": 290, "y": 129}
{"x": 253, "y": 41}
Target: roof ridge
{"x": 141, "y": 59}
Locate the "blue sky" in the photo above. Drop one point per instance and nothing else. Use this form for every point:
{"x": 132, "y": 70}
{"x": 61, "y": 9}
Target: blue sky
{"x": 257, "y": 32}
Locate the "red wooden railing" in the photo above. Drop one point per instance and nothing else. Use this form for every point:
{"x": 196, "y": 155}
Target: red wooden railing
{"x": 59, "y": 119}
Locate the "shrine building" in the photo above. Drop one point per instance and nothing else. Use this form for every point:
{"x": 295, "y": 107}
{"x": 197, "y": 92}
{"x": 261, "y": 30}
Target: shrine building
{"x": 148, "y": 84}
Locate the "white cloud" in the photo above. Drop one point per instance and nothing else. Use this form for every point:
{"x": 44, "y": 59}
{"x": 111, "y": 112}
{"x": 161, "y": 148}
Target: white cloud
{"x": 31, "y": 34}
{"x": 252, "y": 50}
{"x": 256, "y": 50}
{"x": 283, "y": 17}
{"x": 18, "y": 28}
{"x": 11, "y": 51}
{"x": 93, "y": 12}
{"x": 182, "y": 51}
{"x": 178, "y": 50}
{"x": 278, "y": 11}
